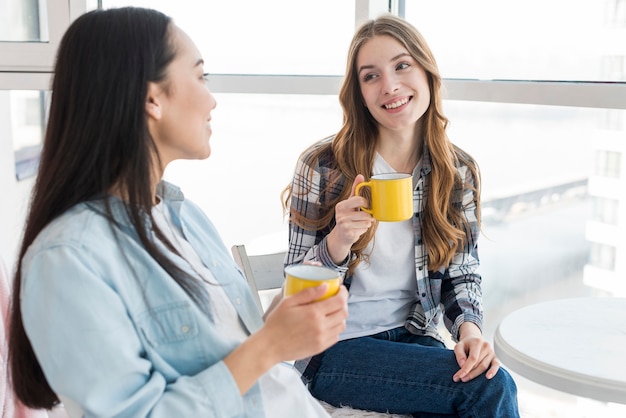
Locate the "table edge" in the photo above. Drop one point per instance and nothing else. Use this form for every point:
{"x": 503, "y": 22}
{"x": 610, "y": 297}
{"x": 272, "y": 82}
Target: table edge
{"x": 578, "y": 384}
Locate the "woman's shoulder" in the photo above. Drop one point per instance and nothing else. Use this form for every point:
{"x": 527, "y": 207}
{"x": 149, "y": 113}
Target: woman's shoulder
{"x": 463, "y": 158}
{"x": 319, "y": 153}
{"x": 75, "y": 226}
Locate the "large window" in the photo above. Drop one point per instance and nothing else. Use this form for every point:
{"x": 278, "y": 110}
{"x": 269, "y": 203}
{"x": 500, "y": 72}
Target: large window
{"x": 535, "y": 90}
{"x": 255, "y": 143}
{"x": 524, "y": 40}
{"x": 259, "y": 37}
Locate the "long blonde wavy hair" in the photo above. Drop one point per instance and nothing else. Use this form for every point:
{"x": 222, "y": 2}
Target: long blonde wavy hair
{"x": 354, "y": 147}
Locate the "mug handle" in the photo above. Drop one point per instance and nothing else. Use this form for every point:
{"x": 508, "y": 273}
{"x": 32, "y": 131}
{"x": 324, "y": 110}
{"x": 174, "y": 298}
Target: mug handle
{"x": 356, "y": 192}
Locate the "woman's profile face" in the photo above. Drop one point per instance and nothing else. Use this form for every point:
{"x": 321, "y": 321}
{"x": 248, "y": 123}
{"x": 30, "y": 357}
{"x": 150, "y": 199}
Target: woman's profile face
{"x": 393, "y": 85}
{"x": 181, "y": 125}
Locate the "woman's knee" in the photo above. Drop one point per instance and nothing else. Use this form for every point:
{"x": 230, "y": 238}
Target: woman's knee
{"x": 506, "y": 380}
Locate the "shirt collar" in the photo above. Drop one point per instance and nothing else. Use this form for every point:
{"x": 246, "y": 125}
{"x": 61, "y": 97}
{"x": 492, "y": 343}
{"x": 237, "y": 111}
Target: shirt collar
{"x": 167, "y": 192}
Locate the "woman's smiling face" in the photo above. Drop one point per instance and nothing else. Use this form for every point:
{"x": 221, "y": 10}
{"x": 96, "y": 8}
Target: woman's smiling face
{"x": 394, "y": 86}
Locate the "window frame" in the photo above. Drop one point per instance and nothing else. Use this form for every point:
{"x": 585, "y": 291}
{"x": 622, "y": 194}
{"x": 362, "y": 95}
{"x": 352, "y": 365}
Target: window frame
{"x": 36, "y": 57}
{"x": 28, "y": 66}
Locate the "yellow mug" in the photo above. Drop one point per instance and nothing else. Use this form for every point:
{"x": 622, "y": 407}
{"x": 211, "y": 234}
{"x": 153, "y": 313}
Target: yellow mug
{"x": 302, "y": 276}
{"x": 392, "y": 196}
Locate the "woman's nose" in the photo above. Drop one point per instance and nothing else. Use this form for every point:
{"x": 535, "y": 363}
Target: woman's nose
{"x": 390, "y": 83}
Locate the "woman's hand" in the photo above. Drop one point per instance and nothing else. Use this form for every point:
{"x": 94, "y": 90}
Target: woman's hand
{"x": 474, "y": 355}
{"x": 298, "y": 327}
{"x": 351, "y": 223}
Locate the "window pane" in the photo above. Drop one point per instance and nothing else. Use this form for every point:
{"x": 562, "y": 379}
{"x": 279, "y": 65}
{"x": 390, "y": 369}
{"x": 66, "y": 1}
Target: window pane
{"x": 603, "y": 256}
{"x": 256, "y": 141}
{"x": 264, "y": 37}
{"x": 538, "y": 182}
{"x": 23, "y": 21}
{"x": 608, "y": 163}
{"x": 524, "y": 148}
{"x": 528, "y": 40}
{"x": 28, "y": 118}
{"x": 605, "y": 210}
{"x": 539, "y": 186}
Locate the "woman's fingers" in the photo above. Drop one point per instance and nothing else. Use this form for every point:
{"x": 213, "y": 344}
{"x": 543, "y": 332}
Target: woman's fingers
{"x": 305, "y": 326}
{"x": 475, "y": 356}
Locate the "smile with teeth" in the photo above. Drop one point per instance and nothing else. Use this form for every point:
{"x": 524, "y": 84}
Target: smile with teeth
{"x": 397, "y": 103}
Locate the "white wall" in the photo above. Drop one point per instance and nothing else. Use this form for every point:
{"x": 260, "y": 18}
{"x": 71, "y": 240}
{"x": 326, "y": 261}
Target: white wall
{"x": 15, "y": 195}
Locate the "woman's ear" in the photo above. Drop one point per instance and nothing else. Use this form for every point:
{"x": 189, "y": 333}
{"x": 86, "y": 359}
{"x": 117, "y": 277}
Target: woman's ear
{"x": 153, "y": 103}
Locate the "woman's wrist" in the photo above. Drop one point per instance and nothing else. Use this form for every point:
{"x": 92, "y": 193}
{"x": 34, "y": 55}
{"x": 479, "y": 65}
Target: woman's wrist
{"x": 251, "y": 359}
{"x": 338, "y": 252}
{"x": 469, "y": 329}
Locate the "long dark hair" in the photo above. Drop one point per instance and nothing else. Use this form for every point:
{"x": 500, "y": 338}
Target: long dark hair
{"x": 97, "y": 138}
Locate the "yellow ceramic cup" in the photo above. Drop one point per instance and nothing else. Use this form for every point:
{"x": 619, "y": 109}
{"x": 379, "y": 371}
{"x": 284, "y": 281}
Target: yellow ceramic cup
{"x": 392, "y": 196}
{"x": 302, "y": 276}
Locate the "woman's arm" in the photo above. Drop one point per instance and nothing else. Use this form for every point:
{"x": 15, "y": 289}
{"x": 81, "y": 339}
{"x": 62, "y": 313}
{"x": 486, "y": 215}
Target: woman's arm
{"x": 462, "y": 299}
{"x": 461, "y": 292}
{"x": 92, "y": 353}
{"x": 97, "y": 354}
{"x": 331, "y": 249}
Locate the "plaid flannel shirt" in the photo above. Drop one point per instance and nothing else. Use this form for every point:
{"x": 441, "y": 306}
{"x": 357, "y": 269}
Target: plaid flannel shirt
{"x": 454, "y": 290}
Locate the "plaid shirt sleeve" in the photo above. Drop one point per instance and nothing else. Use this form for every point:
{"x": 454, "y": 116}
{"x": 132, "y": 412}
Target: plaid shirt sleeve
{"x": 309, "y": 195}
{"x": 461, "y": 293}
{"x": 456, "y": 289}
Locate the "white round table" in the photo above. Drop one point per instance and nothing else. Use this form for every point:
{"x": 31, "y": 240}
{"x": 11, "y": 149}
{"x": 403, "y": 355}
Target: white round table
{"x": 574, "y": 345}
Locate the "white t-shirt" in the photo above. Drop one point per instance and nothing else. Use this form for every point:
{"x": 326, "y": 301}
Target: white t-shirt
{"x": 384, "y": 289}
{"x": 284, "y": 394}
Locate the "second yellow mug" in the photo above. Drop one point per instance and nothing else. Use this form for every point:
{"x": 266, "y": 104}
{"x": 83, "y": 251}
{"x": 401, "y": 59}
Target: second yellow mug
{"x": 302, "y": 276}
{"x": 392, "y": 196}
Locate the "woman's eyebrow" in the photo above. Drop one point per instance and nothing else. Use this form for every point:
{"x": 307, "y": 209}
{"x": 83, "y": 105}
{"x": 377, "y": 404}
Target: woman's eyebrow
{"x": 400, "y": 55}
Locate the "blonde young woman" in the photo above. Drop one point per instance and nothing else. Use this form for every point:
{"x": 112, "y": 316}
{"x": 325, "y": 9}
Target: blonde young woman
{"x": 400, "y": 275}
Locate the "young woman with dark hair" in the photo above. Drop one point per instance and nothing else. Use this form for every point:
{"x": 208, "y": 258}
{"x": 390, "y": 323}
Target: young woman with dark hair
{"x": 125, "y": 301}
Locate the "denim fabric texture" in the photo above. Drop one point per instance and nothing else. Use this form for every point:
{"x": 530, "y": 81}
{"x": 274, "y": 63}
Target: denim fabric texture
{"x": 398, "y": 372}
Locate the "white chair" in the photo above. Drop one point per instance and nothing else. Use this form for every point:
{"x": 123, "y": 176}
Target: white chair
{"x": 264, "y": 273}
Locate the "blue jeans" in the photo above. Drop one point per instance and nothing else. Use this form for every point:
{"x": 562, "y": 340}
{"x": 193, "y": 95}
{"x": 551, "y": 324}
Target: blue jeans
{"x": 398, "y": 372}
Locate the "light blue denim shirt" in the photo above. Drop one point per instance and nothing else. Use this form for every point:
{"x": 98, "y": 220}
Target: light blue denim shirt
{"x": 118, "y": 341}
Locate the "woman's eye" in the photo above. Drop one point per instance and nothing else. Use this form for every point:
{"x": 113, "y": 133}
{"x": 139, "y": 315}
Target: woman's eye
{"x": 402, "y": 66}
{"x": 369, "y": 77}
{"x": 205, "y": 77}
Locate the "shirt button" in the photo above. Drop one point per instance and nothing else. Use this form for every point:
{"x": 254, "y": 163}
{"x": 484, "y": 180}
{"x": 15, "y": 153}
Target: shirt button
{"x": 184, "y": 329}
{"x": 423, "y": 295}
{"x": 238, "y": 301}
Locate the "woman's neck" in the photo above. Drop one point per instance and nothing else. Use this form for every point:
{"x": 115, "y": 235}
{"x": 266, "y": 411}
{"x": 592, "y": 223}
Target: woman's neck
{"x": 402, "y": 152}
{"x": 121, "y": 192}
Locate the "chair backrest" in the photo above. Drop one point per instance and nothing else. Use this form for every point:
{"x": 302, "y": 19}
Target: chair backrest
{"x": 263, "y": 272}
